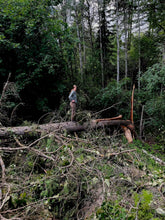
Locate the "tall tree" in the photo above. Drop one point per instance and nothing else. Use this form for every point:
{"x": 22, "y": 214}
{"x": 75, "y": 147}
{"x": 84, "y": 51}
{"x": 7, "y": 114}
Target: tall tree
{"x": 101, "y": 42}
{"x": 130, "y": 21}
{"x": 139, "y": 50}
{"x": 89, "y": 20}
{"x": 125, "y": 17}
{"x": 117, "y": 37}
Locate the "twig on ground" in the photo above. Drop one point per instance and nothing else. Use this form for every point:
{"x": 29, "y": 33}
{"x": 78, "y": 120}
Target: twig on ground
{"x": 3, "y": 168}
{"x": 6, "y": 197}
{"x": 70, "y": 152}
{"x": 153, "y": 157}
{"x": 35, "y": 150}
{"x": 122, "y": 152}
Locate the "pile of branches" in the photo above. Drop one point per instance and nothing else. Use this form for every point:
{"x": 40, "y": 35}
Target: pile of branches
{"x": 49, "y": 173}
{"x": 61, "y": 175}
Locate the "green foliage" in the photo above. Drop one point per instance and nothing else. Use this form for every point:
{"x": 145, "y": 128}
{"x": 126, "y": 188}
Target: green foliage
{"x": 149, "y": 51}
{"x": 142, "y": 203}
{"x": 156, "y": 20}
{"x": 144, "y": 199}
{"x": 17, "y": 200}
{"x": 115, "y": 95}
{"x": 62, "y": 174}
{"x": 42, "y": 52}
{"x": 111, "y": 211}
{"x": 152, "y": 148}
{"x": 153, "y": 80}
{"x": 36, "y": 48}
{"x": 10, "y": 101}
{"x": 78, "y": 173}
{"x": 50, "y": 188}
{"x": 152, "y": 95}
{"x": 42, "y": 104}
{"x": 26, "y": 123}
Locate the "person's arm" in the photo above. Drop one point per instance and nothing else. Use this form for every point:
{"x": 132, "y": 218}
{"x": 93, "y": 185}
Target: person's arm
{"x": 70, "y": 96}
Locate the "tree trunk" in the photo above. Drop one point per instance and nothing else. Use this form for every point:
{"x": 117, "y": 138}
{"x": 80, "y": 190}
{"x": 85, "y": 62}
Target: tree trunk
{"x": 118, "y": 46}
{"x": 90, "y": 24}
{"x": 68, "y": 126}
{"x": 130, "y": 20}
{"x": 139, "y": 71}
{"x": 79, "y": 44}
{"x": 101, "y": 45}
{"x": 126, "y": 40}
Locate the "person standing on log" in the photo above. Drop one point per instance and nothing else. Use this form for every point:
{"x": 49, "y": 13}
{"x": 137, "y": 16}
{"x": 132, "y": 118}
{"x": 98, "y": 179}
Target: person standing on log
{"x": 73, "y": 102}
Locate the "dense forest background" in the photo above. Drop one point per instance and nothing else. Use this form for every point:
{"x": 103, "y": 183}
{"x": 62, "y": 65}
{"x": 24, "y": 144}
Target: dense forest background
{"x": 104, "y": 47}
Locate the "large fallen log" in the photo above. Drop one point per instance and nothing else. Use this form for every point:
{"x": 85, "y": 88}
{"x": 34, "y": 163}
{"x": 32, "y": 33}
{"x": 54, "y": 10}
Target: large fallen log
{"x": 21, "y": 130}
{"x": 68, "y": 126}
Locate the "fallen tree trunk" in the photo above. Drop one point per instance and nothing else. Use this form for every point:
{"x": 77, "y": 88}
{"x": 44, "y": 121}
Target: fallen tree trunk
{"x": 68, "y": 126}
{"x": 21, "y": 130}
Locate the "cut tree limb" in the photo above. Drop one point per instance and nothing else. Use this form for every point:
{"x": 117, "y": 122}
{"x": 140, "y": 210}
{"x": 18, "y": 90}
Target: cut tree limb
{"x": 108, "y": 119}
{"x": 127, "y": 133}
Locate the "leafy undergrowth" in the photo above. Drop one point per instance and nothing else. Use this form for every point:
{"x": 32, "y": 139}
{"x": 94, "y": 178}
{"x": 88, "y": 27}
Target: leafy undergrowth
{"x": 91, "y": 175}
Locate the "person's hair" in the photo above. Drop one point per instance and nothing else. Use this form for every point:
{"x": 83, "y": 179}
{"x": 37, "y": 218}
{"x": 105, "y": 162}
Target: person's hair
{"x": 73, "y": 88}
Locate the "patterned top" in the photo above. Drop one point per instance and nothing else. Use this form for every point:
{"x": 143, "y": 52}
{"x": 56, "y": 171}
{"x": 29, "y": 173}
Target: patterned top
{"x": 73, "y": 96}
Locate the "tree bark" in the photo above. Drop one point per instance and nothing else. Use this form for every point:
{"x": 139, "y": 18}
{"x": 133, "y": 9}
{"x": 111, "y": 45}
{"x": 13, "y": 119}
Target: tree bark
{"x": 126, "y": 40}
{"x": 79, "y": 44}
{"x": 101, "y": 44}
{"x": 130, "y": 21}
{"x": 68, "y": 126}
{"x": 139, "y": 59}
{"x": 89, "y": 20}
{"x": 118, "y": 45}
